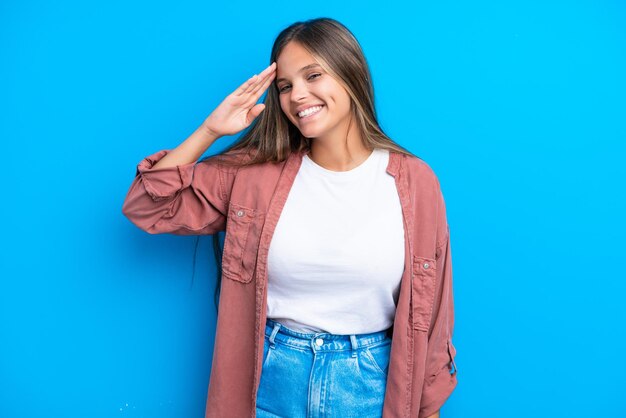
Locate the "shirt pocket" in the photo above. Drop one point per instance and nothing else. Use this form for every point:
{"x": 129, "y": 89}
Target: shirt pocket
{"x": 241, "y": 243}
{"x": 423, "y": 291}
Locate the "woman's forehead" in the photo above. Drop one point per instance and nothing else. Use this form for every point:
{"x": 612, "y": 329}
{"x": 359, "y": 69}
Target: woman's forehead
{"x": 293, "y": 58}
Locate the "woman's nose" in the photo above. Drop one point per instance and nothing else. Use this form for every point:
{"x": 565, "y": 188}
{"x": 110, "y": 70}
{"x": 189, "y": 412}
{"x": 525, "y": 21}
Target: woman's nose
{"x": 298, "y": 92}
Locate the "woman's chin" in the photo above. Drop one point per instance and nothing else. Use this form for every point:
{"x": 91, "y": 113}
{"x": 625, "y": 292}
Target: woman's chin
{"x": 310, "y": 131}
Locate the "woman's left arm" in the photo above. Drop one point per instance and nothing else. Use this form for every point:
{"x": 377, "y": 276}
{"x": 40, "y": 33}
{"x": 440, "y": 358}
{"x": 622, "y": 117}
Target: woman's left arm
{"x": 440, "y": 375}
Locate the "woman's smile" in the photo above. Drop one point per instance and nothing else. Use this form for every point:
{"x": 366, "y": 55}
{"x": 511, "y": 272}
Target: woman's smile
{"x": 312, "y": 114}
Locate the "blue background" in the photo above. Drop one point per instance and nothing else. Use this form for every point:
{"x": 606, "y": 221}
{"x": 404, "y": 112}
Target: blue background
{"x": 518, "y": 106}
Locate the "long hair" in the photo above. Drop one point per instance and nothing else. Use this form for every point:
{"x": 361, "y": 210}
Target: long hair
{"x": 272, "y": 136}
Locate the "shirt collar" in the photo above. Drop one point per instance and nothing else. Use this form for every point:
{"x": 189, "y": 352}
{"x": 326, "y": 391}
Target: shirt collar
{"x": 392, "y": 167}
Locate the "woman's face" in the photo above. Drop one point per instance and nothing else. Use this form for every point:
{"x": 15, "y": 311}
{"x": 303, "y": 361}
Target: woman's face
{"x": 302, "y": 84}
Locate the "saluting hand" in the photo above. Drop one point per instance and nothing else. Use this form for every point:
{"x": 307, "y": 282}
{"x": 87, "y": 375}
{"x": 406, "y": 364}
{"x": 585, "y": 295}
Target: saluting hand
{"x": 239, "y": 108}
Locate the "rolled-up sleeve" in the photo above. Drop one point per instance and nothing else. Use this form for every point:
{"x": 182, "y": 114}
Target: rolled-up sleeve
{"x": 188, "y": 199}
{"x": 440, "y": 377}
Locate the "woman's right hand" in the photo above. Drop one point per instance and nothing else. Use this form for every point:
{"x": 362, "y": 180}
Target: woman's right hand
{"x": 239, "y": 108}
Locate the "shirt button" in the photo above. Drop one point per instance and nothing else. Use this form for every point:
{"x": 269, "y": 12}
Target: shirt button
{"x": 426, "y": 265}
{"x": 319, "y": 342}
{"x": 240, "y": 213}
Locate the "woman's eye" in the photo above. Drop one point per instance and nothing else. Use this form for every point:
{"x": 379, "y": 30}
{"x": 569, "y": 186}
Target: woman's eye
{"x": 311, "y": 77}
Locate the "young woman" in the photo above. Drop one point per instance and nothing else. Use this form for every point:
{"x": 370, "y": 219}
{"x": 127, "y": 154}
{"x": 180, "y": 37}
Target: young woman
{"x": 337, "y": 292}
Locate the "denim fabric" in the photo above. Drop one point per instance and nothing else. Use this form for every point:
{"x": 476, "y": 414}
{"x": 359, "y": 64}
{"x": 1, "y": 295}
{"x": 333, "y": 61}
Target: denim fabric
{"x": 321, "y": 375}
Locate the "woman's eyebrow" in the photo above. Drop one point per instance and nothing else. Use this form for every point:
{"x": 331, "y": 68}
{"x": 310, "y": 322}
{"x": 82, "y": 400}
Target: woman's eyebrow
{"x": 306, "y": 67}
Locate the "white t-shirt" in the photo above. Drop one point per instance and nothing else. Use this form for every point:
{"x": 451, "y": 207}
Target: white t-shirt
{"x": 337, "y": 255}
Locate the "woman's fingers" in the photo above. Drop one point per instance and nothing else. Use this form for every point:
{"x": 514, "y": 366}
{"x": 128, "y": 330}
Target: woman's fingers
{"x": 255, "y": 81}
{"x": 260, "y": 87}
{"x": 241, "y": 89}
{"x": 267, "y": 73}
{"x": 268, "y": 70}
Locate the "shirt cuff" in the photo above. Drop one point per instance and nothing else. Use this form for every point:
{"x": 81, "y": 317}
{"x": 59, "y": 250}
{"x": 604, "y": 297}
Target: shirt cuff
{"x": 437, "y": 391}
{"x": 163, "y": 183}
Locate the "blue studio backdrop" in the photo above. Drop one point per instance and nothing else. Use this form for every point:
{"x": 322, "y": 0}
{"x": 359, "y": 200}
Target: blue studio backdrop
{"x": 518, "y": 107}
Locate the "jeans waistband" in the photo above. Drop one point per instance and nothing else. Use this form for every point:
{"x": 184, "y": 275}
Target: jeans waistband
{"x": 320, "y": 341}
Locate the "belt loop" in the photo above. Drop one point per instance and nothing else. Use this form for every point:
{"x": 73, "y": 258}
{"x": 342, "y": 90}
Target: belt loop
{"x": 354, "y": 344}
{"x": 274, "y": 332}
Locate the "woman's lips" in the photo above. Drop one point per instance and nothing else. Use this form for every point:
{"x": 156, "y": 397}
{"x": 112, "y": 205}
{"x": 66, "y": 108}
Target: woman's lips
{"x": 311, "y": 116}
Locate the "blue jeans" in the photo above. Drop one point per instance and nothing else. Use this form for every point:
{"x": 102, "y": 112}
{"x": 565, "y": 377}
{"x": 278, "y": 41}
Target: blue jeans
{"x": 322, "y": 375}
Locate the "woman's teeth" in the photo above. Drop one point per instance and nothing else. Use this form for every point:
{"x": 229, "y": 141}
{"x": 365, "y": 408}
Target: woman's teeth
{"x": 310, "y": 111}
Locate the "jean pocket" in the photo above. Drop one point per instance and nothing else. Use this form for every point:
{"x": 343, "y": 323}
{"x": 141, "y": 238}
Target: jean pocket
{"x": 378, "y": 356}
{"x": 266, "y": 351}
{"x": 423, "y": 291}
{"x": 241, "y": 243}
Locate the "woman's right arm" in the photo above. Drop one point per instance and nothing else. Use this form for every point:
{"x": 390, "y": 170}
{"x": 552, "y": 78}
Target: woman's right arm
{"x": 172, "y": 193}
{"x": 169, "y": 195}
